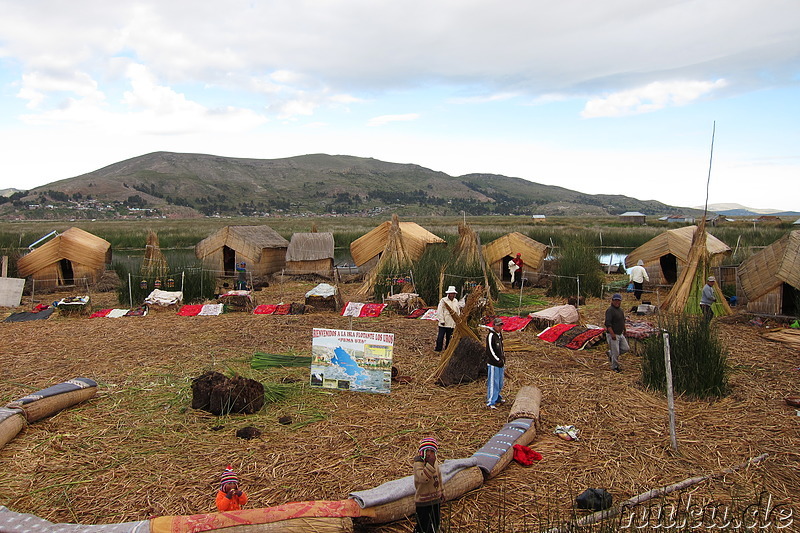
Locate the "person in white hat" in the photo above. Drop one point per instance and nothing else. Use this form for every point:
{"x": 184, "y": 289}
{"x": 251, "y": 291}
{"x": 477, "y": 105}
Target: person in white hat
{"x": 707, "y": 298}
{"x": 638, "y": 275}
{"x": 447, "y": 309}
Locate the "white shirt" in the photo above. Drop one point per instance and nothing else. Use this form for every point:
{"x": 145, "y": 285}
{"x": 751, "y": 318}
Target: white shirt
{"x": 447, "y": 308}
{"x": 638, "y": 274}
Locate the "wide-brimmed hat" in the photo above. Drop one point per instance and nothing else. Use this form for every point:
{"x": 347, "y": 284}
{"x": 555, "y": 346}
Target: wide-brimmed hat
{"x": 712, "y": 278}
{"x": 451, "y": 288}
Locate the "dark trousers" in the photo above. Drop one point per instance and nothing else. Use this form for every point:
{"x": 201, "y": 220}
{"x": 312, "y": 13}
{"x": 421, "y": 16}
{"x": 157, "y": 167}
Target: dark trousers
{"x": 429, "y": 518}
{"x": 443, "y": 338}
{"x": 708, "y": 313}
{"x": 637, "y": 290}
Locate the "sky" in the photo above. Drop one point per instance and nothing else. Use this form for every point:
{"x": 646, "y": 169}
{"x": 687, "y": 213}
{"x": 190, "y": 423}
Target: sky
{"x": 612, "y": 97}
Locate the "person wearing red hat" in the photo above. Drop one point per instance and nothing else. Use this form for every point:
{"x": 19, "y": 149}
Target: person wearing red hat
{"x": 428, "y": 487}
{"x": 229, "y": 497}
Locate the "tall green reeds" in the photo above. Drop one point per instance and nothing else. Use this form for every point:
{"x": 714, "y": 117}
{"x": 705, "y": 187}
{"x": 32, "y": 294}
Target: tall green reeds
{"x": 697, "y": 357}
{"x": 197, "y": 284}
{"x": 577, "y": 270}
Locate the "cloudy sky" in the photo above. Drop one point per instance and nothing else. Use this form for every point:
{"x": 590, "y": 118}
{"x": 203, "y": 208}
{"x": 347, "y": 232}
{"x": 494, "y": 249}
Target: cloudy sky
{"x": 612, "y": 96}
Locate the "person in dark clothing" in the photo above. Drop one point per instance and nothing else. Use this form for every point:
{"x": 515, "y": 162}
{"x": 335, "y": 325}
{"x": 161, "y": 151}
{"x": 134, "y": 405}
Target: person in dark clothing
{"x": 615, "y": 332}
{"x": 495, "y": 364}
{"x": 241, "y": 276}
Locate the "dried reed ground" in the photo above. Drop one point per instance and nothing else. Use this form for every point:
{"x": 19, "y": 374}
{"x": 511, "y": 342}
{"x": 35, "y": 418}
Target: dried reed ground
{"x": 137, "y": 449}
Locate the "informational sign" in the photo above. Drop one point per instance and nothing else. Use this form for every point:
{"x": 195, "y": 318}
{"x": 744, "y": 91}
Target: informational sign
{"x": 352, "y": 360}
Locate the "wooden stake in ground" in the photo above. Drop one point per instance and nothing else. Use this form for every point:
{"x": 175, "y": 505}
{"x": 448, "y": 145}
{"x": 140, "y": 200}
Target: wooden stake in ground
{"x": 599, "y": 516}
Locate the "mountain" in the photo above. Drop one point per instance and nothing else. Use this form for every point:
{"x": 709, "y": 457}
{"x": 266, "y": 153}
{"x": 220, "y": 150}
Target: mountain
{"x": 738, "y": 210}
{"x": 176, "y": 184}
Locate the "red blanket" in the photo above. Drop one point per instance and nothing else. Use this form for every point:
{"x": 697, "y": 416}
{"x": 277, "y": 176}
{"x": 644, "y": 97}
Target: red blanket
{"x": 371, "y": 310}
{"x": 552, "y": 333}
{"x": 100, "y": 314}
{"x": 265, "y": 309}
{"x": 190, "y": 310}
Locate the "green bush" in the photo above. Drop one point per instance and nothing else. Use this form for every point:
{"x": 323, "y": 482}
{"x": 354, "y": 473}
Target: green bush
{"x": 577, "y": 259}
{"x": 697, "y": 356}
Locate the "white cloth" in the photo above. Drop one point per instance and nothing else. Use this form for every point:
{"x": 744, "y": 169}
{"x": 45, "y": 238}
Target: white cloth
{"x": 446, "y": 309}
{"x": 512, "y": 267}
{"x": 353, "y": 309}
{"x": 560, "y": 314}
{"x": 211, "y": 310}
{"x": 323, "y": 289}
{"x": 164, "y": 298}
{"x": 638, "y": 274}
{"x": 116, "y": 313}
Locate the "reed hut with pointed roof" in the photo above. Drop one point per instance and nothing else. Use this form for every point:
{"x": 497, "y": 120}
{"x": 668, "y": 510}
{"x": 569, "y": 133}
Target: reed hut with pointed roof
{"x": 310, "y": 253}
{"x": 367, "y": 249}
{"x": 260, "y": 247}
{"x": 770, "y": 278}
{"x": 666, "y": 254}
{"x": 500, "y": 251}
{"x": 67, "y": 257}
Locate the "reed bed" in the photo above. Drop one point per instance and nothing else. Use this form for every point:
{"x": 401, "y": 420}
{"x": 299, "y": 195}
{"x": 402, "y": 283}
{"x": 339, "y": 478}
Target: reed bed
{"x": 138, "y": 450}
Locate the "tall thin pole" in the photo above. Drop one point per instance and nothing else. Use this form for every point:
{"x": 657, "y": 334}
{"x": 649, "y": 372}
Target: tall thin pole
{"x": 130, "y": 290}
{"x": 670, "y": 394}
{"x": 710, "y": 159}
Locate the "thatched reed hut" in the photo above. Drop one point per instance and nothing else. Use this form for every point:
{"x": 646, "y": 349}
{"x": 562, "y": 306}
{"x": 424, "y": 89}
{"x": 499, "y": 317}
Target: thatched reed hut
{"x": 66, "y": 258}
{"x": 770, "y": 278}
{"x": 367, "y": 249}
{"x": 261, "y": 247}
{"x": 500, "y": 251}
{"x": 666, "y": 254}
{"x": 310, "y": 253}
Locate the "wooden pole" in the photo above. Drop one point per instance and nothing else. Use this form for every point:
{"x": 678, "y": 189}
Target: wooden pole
{"x": 670, "y": 393}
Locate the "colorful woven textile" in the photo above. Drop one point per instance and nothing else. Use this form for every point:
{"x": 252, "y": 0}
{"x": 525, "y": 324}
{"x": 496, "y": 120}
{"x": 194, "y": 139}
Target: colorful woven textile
{"x": 515, "y": 323}
{"x": 640, "y": 330}
{"x": 283, "y": 309}
{"x": 371, "y": 310}
{"x": 583, "y": 337}
{"x": 137, "y": 311}
{"x": 416, "y": 313}
{"x": 100, "y": 314}
{"x": 430, "y": 314}
{"x": 264, "y": 309}
{"x": 214, "y": 521}
{"x": 552, "y": 333}
{"x": 190, "y": 310}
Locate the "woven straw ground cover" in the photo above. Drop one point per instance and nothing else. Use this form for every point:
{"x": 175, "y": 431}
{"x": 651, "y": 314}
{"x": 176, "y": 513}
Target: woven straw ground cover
{"x": 137, "y": 450}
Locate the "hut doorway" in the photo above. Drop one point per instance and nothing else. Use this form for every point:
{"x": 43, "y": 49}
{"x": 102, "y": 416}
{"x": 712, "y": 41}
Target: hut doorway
{"x": 791, "y": 300}
{"x": 65, "y": 269}
{"x": 669, "y": 268}
{"x": 504, "y": 268}
{"x": 228, "y": 260}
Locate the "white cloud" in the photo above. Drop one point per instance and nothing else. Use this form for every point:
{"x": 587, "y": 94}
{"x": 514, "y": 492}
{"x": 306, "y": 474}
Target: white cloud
{"x": 385, "y": 119}
{"x": 651, "y": 97}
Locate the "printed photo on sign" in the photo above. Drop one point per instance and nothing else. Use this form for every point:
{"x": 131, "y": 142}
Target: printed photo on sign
{"x": 358, "y": 361}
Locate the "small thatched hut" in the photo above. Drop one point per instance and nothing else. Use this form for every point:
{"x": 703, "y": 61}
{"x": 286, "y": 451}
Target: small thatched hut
{"x": 666, "y": 254}
{"x": 261, "y": 247}
{"x": 500, "y": 251}
{"x": 367, "y": 249}
{"x": 67, "y": 257}
{"x": 310, "y": 253}
{"x": 770, "y": 278}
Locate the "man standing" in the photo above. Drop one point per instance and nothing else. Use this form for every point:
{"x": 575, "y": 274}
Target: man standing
{"x": 615, "y": 332}
{"x": 495, "y": 364}
{"x": 638, "y": 275}
{"x": 707, "y": 298}
{"x": 516, "y": 273}
{"x": 448, "y": 308}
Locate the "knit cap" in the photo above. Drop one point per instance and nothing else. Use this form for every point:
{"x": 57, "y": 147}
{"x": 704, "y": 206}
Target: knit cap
{"x": 228, "y": 476}
{"x": 428, "y": 443}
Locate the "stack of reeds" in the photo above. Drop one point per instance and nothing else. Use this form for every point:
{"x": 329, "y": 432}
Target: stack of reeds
{"x": 154, "y": 264}
{"x": 394, "y": 260}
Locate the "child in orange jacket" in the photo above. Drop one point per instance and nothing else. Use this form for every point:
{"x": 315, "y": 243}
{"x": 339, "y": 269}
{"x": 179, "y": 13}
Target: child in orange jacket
{"x": 229, "y": 497}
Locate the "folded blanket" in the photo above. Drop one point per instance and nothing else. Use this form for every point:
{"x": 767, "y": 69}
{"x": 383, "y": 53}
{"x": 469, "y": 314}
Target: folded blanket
{"x": 11, "y": 522}
{"x": 26, "y": 316}
{"x": 640, "y": 330}
{"x": 488, "y": 456}
{"x": 254, "y": 517}
{"x": 137, "y": 311}
{"x": 211, "y": 310}
{"x": 515, "y": 323}
{"x": 580, "y": 338}
{"x": 371, "y": 310}
{"x": 116, "y": 313}
{"x": 430, "y": 314}
{"x": 417, "y": 313}
{"x": 283, "y": 309}
{"x": 100, "y": 314}
{"x": 190, "y": 310}
{"x": 552, "y": 333}
{"x": 264, "y": 309}
{"x": 164, "y": 298}
{"x": 400, "y": 488}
